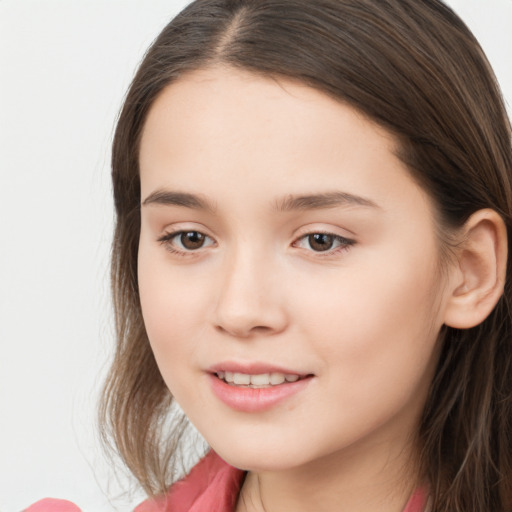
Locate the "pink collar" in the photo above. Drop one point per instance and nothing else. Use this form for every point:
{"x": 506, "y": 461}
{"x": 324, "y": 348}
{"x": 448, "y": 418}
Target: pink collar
{"x": 211, "y": 485}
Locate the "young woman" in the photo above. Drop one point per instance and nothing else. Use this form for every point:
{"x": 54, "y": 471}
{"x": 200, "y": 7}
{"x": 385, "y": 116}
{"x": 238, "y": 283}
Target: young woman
{"x": 313, "y": 211}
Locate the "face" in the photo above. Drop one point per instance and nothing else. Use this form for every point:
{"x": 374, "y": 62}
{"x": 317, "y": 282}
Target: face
{"x": 285, "y": 248}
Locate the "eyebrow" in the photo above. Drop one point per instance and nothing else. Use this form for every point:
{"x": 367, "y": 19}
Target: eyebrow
{"x": 289, "y": 203}
{"x": 184, "y": 199}
{"x": 322, "y": 200}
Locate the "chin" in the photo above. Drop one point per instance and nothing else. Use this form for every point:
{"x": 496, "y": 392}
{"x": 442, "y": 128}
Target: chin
{"x": 261, "y": 456}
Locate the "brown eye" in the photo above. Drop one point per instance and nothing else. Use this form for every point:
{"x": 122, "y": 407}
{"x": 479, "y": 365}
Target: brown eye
{"x": 329, "y": 243}
{"x": 185, "y": 242}
{"x": 192, "y": 240}
{"x": 321, "y": 241}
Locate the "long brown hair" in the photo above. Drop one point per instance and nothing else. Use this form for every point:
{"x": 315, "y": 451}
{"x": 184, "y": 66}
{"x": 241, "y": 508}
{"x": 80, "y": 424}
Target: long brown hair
{"x": 413, "y": 67}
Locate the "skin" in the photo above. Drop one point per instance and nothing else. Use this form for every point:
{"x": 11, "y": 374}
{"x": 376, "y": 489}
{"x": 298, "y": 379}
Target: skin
{"x": 363, "y": 318}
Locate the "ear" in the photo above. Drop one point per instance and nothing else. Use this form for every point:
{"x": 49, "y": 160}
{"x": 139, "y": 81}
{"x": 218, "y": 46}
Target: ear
{"x": 479, "y": 272}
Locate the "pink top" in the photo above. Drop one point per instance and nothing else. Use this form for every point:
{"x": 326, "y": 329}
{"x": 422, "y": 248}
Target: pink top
{"x": 51, "y": 505}
{"x": 212, "y": 485}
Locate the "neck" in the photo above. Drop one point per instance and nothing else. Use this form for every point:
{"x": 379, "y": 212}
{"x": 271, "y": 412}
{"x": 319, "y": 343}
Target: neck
{"x": 378, "y": 478}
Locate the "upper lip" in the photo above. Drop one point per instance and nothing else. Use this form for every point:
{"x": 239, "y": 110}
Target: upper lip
{"x": 253, "y": 368}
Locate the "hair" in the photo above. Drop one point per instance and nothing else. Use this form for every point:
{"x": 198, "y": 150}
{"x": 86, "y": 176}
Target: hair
{"x": 413, "y": 67}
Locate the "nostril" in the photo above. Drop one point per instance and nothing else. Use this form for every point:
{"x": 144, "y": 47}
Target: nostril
{"x": 261, "y": 328}
{"x": 241, "y": 332}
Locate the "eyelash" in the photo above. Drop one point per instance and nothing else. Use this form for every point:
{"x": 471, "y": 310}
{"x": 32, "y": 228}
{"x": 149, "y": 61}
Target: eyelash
{"x": 166, "y": 240}
{"x": 344, "y": 243}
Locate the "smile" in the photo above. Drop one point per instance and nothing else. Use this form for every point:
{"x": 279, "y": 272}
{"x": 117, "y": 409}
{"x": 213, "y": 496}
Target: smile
{"x": 252, "y": 389}
{"x": 262, "y": 380}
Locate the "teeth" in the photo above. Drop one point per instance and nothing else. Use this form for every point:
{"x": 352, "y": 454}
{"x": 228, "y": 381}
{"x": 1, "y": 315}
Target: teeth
{"x": 241, "y": 378}
{"x": 278, "y": 378}
{"x": 260, "y": 380}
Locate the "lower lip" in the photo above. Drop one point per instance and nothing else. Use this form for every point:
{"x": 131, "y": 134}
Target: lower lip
{"x": 247, "y": 399}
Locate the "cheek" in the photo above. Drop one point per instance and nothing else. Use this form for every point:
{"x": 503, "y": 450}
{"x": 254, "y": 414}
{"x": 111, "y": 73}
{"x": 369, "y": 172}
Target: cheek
{"x": 172, "y": 308}
{"x": 171, "y": 314}
{"x": 374, "y": 319}
{"x": 373, "y": 332}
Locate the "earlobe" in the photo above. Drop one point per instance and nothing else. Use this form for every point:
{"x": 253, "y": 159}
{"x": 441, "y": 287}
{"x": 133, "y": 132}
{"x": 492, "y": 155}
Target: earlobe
{"x": 479, "y": 273}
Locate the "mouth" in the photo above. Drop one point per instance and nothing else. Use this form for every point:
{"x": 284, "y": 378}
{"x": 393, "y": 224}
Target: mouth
{"x": 257, "y": 381}
{"x": 256, "y": 388}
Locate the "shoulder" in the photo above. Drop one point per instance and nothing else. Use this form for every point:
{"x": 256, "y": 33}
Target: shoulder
{"x": 52, "y": 505}
{"x": 211, "y": 483}
{"x": 418, "y": 502}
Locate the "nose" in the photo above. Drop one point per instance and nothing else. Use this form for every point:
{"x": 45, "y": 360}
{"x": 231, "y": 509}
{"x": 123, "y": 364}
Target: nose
{"x": 251, "y": 298}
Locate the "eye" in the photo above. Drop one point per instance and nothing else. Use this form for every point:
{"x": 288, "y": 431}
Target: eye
{"x": 186, "y": 241}
{"x": 323, "y": 242}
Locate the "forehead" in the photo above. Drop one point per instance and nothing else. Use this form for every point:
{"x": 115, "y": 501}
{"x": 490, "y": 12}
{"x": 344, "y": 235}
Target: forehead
{"x": 222, "y": 96}
{"x": 223, "y": 130}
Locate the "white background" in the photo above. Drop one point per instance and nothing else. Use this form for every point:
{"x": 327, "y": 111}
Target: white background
{"x": 64, "y": 68}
